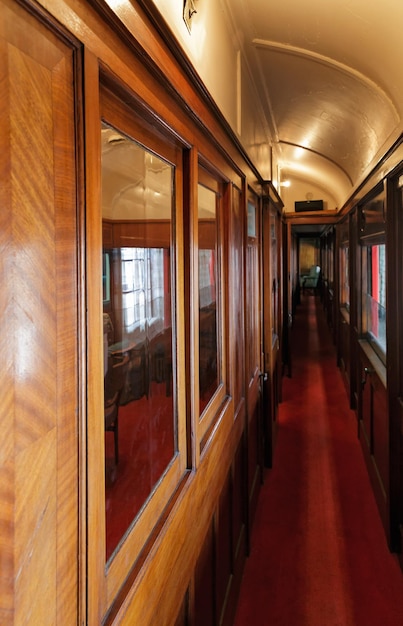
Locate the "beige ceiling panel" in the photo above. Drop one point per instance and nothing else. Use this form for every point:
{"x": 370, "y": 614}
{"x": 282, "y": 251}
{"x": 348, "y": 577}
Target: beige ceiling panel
{"x": 323, "y": 107}
{"x": 304, "y": 168}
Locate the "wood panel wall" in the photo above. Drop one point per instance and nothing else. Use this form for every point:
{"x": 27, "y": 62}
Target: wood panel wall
{"x": 374, "y": 378}
{"x": 52, "y": 552}
{"x": 39, "y": 408}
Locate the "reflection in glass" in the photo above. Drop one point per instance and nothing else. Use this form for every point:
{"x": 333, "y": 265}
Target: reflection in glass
{"x": 374, "y": 300}
{"x": 274, "y": 279}
{"x": 344, "y": 278}
{"x": 376, "y": 321}
{"x": 106, "y": 280}
{"x": 140, "y": 429}
{"x": 208, "y": 347}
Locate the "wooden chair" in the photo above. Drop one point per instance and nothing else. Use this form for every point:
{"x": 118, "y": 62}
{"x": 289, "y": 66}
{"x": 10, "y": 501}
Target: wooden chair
{"x": 311, "y": 280}
{"x": 113, "y": 386}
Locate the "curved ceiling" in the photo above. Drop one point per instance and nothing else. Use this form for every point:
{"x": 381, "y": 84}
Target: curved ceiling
{"x": 330, "y": 83}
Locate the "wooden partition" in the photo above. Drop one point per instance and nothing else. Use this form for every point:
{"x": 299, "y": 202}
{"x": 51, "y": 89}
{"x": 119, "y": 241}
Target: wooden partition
{"x": 395, "y": 350}
{"x": 328, "y": 275}
{"x": 40, "y": 284}
{"x": 342, "y": 307}
{"x": 369, "y": 337}
{"x": 80, "y": 79}
{"x": 254, "y": 431}
{"x": 272, "y": 317}
{"x": 374, "y": 428}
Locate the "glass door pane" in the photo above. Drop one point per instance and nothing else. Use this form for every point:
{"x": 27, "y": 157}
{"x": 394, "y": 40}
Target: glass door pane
{"x": 139, "y": 414}
{"x": 208, "y": 346}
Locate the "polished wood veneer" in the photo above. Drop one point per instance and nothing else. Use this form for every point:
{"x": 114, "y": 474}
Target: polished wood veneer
{"x": 58, "y": 61}
{"x": 39, "y": 281}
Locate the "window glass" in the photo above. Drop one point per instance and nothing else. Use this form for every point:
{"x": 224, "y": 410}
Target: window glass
{"x": 208, "y": 292}
{"x": 251, "y": 220}
{"x": 374, "y": 296}
{"x": 330, "y": 260}
{"x": 252, "y": 288}
{"x": 274, "y": 278}
{"x": 139, "y": 414}
{"x": 106, "y": 281}
{"x": 344, "y": 277}
{"x": 371, "y": 223}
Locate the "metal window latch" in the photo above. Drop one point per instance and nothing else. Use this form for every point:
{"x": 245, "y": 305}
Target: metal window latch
{"x": 367, "y": 372}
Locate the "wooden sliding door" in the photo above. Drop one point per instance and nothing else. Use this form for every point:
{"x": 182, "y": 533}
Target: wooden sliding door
{"x": 253, "y": 356}
{"x": 272, "y": 314}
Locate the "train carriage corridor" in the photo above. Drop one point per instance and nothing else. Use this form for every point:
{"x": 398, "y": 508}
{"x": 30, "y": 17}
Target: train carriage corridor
{"x": 202, "y": 335}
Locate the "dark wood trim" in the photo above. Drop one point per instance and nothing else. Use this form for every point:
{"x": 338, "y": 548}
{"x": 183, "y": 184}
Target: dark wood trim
{"x": 394, "y": 229}
{"x": 45, "y": 18}
{"x": 314, "y": 218}
{"x": 270, "y": 193}
{"x": 155, "y": 19}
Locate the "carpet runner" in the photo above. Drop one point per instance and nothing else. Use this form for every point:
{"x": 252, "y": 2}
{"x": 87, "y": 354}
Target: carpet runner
{"x": 318, "y": 552}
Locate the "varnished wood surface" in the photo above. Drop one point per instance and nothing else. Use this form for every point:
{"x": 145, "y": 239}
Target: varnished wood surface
{"x": 52, "y": 482}
{"x": 52, "y": 540}
{"x": 374, "y": 426}
{"x": 39, "y": 319}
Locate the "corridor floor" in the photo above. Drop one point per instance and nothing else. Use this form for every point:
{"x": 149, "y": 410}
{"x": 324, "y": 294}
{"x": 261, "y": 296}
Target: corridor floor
{"x": 318, "y": 551}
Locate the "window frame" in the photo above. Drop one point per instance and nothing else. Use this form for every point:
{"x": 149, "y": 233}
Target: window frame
{"x": 368, "y": 260}
{"x": 129, "y": 118}
{"x": 253, "y": 287}
{"x": 344, "y": 266}
{"x": 207, "y": 419}
{"x": 372, "y": 233}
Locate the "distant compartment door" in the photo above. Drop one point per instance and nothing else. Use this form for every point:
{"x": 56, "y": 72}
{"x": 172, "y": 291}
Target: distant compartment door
{"x": 271, "y": 332}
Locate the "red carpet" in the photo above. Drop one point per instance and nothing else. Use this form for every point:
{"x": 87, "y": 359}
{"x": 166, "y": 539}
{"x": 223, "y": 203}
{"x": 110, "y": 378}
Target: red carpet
{"x": 146, "y": 446}
{"x": 319, "y": 555}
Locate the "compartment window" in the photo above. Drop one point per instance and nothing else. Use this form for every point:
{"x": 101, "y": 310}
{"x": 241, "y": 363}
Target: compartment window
{"x": 344, "y": 278}
{"x": 140, "y": 421}
{"x": 372, "y": 221}
{"x": 209, "y": 356}
{"x": 374, "y": 297}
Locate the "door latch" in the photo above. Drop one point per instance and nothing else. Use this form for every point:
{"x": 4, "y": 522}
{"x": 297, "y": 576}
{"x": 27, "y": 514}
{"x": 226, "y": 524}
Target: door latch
{"x": 367, "y": 372}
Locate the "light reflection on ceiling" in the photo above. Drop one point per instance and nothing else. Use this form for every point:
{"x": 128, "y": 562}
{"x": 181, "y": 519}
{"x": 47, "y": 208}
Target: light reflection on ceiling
{"x": 330, "y": 84}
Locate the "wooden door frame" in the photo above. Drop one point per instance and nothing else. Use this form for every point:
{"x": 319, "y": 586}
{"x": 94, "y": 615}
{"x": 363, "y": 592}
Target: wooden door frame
{"x": 272, "y": 312}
